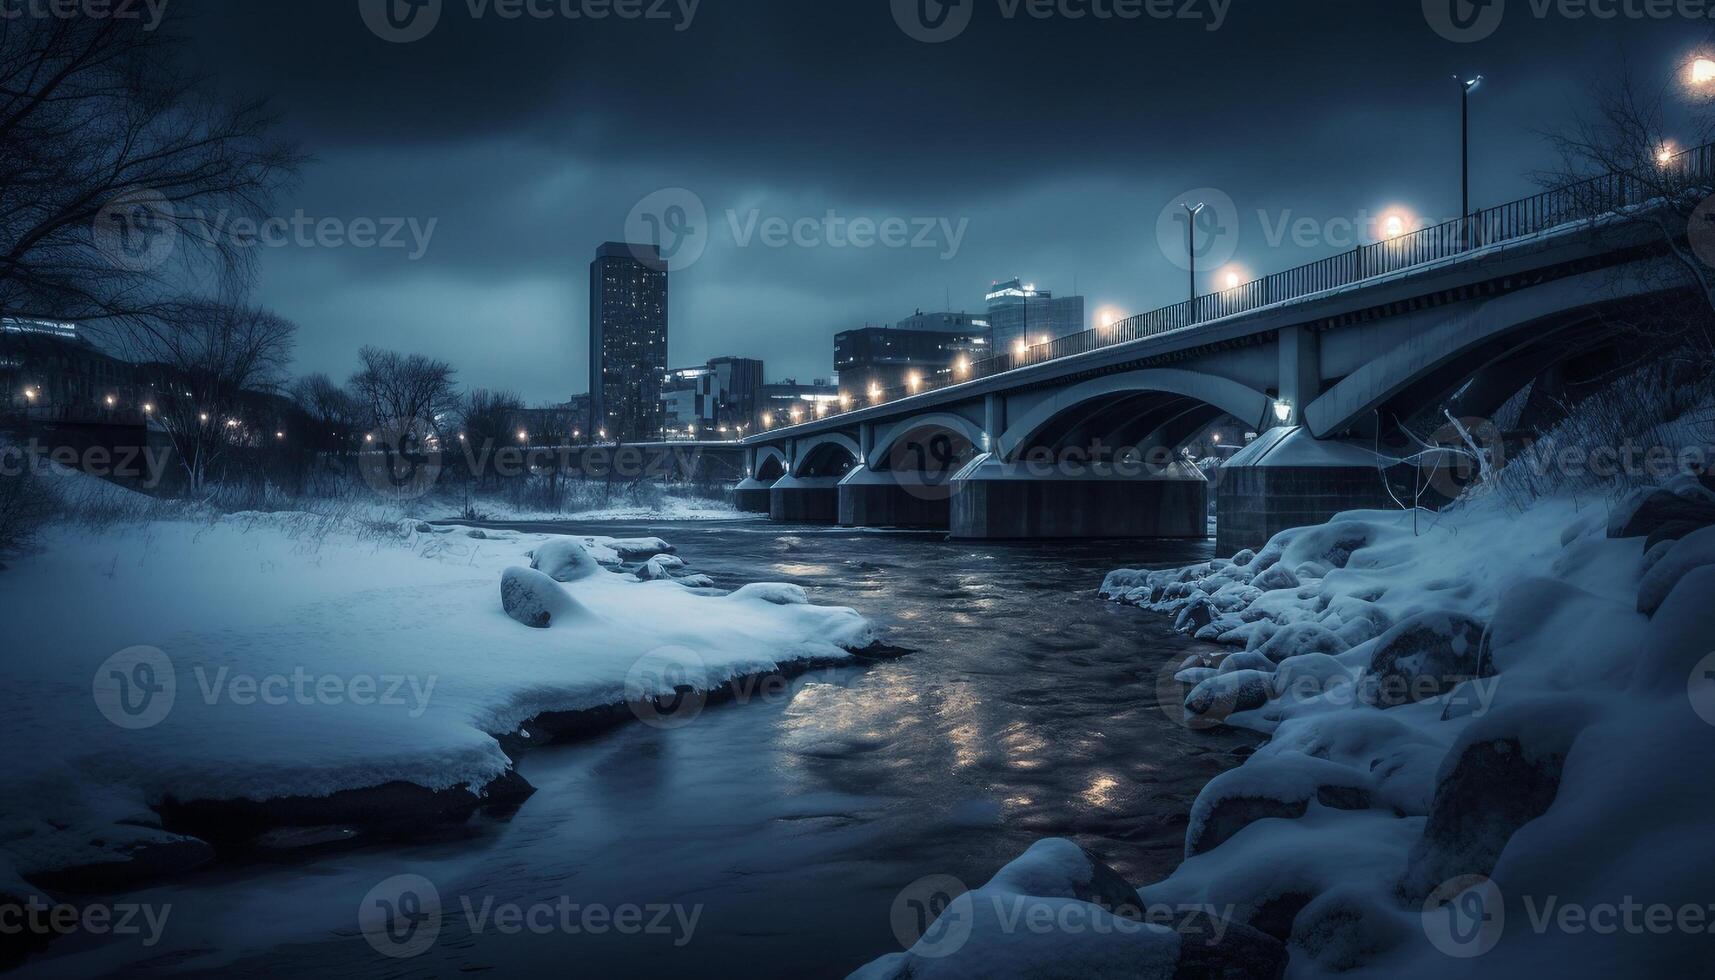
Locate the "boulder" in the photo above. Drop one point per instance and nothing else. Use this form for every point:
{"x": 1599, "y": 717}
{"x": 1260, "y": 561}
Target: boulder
{"x": 1198, "y": 613}
{"x": 1423, "y": 657}
{"x": 1693, "y": 551}
{"x": 654, "y": 570}
{"x": 1348, "y": 927}
{"x": 1301, "y": 639}
{"x": 1276, "y": 578}
{"x": 1651, "y": 510}
{"x": 536, "y": 600}
{"x": 1284, "y": 789}
{"x": 1216, "y": 698}
{"x": 477, "y": 533}
{"x": 777, "y": 593}
{"x": 1247, "y": 660}
{"x": 1210, "y": 946}
{"x": 564, "y": 560}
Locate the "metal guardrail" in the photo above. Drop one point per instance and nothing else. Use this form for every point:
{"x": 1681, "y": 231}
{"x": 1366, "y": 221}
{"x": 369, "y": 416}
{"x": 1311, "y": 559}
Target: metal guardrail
{"x": 1583, "y": 200}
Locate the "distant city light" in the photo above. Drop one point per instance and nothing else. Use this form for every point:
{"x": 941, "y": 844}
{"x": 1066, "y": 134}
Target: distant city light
{"x": 109, "y": 400}
{"x": 602, "y": 434}
{"x": 279, "y": 435}
{"x": 369, "y": 437}
{"x": 962, "y": 366}
{"x": 148, "y": 408}
{"x": 1217, "y": 438}
{"x": 913, "y": 380}
{"x": 523, "y": 436}
{"x": 29, "y": 394}
{"x": 767, "y": 420}
{"x": 203, "y": 416}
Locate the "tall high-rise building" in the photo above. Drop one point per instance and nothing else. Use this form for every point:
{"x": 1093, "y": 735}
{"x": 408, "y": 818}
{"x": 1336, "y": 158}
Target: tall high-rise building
{"x": 1021, "y": 313}
{"x": 628, "y": 341}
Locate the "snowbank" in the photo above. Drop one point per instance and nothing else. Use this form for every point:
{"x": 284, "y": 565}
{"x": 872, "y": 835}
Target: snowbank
{"x": 258, "y": 657}
{"x": 1488, "y": 742}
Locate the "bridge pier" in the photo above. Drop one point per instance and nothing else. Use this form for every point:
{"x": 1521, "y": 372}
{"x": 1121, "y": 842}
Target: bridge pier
{"x": 893, "y": 498}
{"x": 1287, "y": 478}
{"x": 996, "y": 500}
{"x": 752, "y": 495}
{"x": 805, "y": 499}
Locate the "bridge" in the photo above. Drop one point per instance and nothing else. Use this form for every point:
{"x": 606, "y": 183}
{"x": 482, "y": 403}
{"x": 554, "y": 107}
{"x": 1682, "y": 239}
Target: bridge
{"x": 1335, "y": 365}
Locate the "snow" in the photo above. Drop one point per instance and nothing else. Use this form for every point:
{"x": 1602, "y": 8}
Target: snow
{"x": 1569, "y": 770}
{"x": 309, "y": 654}
{"x": 668, "y": 508}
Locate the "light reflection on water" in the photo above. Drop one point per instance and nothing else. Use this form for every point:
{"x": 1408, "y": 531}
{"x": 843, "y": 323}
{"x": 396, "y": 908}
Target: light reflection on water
{"x": 1028, "y": 710}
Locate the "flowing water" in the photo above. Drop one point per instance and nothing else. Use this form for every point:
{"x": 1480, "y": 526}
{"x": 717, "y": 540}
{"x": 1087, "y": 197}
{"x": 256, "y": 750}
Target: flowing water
{"x": 786, "y": 822}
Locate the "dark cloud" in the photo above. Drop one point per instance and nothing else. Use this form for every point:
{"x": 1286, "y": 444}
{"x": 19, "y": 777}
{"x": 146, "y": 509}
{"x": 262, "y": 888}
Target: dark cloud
{"x": 1054, "y": 144}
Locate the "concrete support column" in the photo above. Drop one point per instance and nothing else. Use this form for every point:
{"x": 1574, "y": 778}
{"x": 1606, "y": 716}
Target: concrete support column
{"x": 866, "y": 443}
{"x": 751, "y": 495}
{"x": 890, "y": 498}
{"x": 994, "y": 423}
{"x": 1288, "y": 478}
{"x": 992, "y": 499}
{"x": 1300, "y": 372}
{"x": 805, "y": 499}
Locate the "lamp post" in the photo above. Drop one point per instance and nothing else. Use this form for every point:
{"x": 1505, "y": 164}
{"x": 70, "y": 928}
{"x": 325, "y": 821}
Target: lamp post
{"x": 1466, "y": 87}
{"x": 1191, "y": 212}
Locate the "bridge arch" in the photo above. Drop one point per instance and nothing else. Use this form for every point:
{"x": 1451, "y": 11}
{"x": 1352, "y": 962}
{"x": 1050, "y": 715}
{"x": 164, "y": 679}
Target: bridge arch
{"x": 1518, "y": 327}
{"x": 771, "y": 463}
{"x": 828, "y": 454}
{"x": 1178, "y": 387}
{"x": 891, "y": 437}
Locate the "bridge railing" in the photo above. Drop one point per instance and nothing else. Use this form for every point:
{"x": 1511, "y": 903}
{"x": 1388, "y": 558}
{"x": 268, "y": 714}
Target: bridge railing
{"x": 1580, "y": 201}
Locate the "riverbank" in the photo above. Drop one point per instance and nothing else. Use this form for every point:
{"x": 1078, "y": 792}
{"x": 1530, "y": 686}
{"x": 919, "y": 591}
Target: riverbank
{"x": 293, "y": 678}
{"x": 1473, "y": 717}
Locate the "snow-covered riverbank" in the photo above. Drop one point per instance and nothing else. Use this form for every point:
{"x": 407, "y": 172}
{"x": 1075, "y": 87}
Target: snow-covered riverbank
{"x": 268, "y": 669}
{"x": 1489, "y": 735}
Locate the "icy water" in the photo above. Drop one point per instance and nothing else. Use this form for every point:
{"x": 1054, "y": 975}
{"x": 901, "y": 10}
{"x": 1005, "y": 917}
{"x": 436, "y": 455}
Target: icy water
{"x": 786, "y": 824}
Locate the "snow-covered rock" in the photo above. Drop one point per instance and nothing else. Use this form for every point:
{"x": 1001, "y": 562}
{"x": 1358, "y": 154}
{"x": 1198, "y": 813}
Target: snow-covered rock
{"x": 1693, "y": 551}
{"x": 536, "y": 600}
{"x": 564, "y": 560}
{"x": 1423, "y": 657}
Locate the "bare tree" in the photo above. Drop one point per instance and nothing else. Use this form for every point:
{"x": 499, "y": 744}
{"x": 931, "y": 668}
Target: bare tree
{"x": 334, "y": 413}
{"x": 119, "y": 175}
{"x": 203, "y": 360}
{"x": 486, "y": 419}
{"x": 407, "y": 400}
{"x": 1622, "y": 169}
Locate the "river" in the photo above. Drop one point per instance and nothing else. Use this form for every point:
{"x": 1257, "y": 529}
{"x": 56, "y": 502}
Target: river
{"x": 786, "y": 823}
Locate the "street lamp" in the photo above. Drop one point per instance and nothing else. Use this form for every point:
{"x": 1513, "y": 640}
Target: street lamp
{"x": 1665, "y": 153}
{"x": 1702, "y": 72}
{"x": 1466, "y": 87}
{"x": 1191, "y": 213}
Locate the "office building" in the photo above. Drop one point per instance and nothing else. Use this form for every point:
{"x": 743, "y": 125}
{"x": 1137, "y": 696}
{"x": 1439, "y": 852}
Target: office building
{"x": 628, "y": 341}
{"x": 924, "y": 347}
{"x": 1019, "y": 313}
{"x": 712, "y": 400}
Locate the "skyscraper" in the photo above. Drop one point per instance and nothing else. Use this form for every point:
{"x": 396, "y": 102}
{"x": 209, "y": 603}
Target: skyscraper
{"x": 628, "y": 341}
{"x": 1021, "y": 313}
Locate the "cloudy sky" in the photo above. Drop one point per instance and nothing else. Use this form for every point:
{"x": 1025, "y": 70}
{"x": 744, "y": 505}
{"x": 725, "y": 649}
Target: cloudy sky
{"x": 1046, "y": 147}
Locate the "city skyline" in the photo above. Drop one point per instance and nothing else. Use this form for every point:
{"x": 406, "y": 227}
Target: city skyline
{"x": 519, "y": 190}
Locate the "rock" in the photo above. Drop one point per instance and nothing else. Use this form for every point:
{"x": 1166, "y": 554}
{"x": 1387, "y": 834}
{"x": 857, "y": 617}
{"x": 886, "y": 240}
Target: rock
{"x": 1057, "y": 868}
{"x": 697, "y": 582}
{"x": 1300, "y": 639}
{"x": 396, "y": 808}
{"x": 1276, "y": 578}
{"x": 425, "y": 528}
{"x": 1217, "y": 948}
{"x": 1244, "y": 558}
{"x": 1198, "y": 613}
{"x": 564, "y": 560}
{"x": 536, "y": 600}
{"x": 1492, "y": 789}
{"x": 477, "y": 533}
{"x": 653, "y": 570}
{"x": 1345, "y": 928}
{"x": 1649, "y": 511}
{"x": 1670, "y": 531}
{"x": 639, "y": 549}
{"x": 1240, "y": 797}
{"x": 1423, "y": 657}
{"x": 778, "y": 593}
{"x": 1195, "y": 675}
{"x": 1248, "y": 660}
{"x": 1308, "y": 676}
{"x": 1693, "y": 551}
{"x": 148, "y": 857}
{"x": 1216, "y": 698}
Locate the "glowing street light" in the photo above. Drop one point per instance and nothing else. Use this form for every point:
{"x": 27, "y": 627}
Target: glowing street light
{"x": 602, "y": 434}
{"x": 29, "y": 394}
{"x": 148, "y": 408}
{"x": 1021, "y": 347}
{"x": 523, "y": 436}
{"x": 109, "y": 400}
{"x": 797, "y": 414}
{"x": 203, "y": 416}
{"x": 1665, "y": 153}
{"x": 962, "y": 366}
{"x": 1283, "y": 411}
{"x": 768, "y": 420}
{"x": 369, "y": 437}
{"x": 279, "y": 435}
{"x": 912, "y": 381}
{"x": 875, "y": 393}
{"x": 1702, "y": 71}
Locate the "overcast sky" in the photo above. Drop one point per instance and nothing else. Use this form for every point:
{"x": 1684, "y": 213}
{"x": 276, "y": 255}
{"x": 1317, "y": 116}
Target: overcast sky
{"x": 1046, "y": 148}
